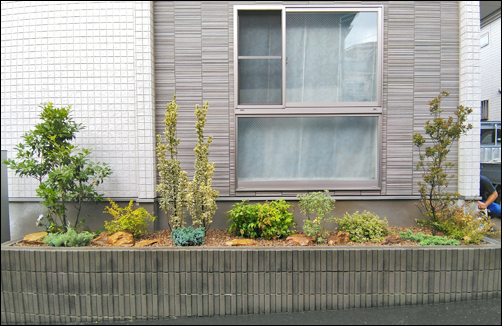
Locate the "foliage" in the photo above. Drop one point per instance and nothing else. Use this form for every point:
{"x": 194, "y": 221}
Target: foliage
{"x": 428, "y": 240}
{"x": 320, "y": 204}
{"x": 244, "y": 219}
{"x": 127, "y": 220}
{"x": 201, "y": 197}
{"x": 269, "y": 220}
{"x": 435, "y": 200}
{"x": 188, "y": 236}
{"x": 173, "y": 182}
{"x": 70, "y": 238}
{"x": 63, "y": 171}
{"x": 462, "y": 223}
{"x": 364, "y": 226}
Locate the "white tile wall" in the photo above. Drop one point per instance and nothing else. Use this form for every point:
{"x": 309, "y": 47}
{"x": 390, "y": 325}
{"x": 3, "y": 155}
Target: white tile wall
{"x": 470, "y": 93}
{"x": 96, "y": 56}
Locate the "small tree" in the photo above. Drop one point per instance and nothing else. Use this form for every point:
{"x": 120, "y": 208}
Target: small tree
{"x": 64, "y": 172}
{"x": 202, "y": 204}
{"x": 435, "y": 200}
{"x": 173, "y": 181}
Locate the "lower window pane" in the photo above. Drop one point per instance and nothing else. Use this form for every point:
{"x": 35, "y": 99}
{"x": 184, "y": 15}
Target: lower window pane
{"x": 307, "y": 148}
{"x": 260, "y": 81}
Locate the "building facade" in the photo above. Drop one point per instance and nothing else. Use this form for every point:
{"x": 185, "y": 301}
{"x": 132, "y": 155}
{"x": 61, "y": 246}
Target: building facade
{"x": 302, "y": 97}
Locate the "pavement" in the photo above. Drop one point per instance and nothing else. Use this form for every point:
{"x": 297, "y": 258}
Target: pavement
{"x": 497, "y": 227}
{"x": 479, "y": 312}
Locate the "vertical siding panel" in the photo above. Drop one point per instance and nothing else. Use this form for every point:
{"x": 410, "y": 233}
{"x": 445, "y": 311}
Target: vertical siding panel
{"x": 401, "y": 50}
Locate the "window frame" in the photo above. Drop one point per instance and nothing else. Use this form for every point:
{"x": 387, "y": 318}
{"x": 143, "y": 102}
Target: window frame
{"x": 314, "y": 107}
{"x": 309, "y": 109}
{"x": 300, "y": 185}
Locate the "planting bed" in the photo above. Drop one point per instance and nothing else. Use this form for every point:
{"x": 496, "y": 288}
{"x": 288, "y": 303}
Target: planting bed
{"x": 50, "y": 285}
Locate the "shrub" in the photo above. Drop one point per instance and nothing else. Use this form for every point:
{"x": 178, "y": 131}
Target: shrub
{"x": 270, "y": 220}
{"x": 428, "y": 240}
{"x": 188, "y": 236}
{"x": 201, "y": 197}
{"x": 435, "y": 200}
{"x": 64, "y": 172}
{"x": 70, "y": 238}
{"x": 320, "y": 204}
{"x": 127, "y": 220}
{"x": 173, "y": 182}
{"x": 364, "y": 227}
{"x": 462, "y": 223}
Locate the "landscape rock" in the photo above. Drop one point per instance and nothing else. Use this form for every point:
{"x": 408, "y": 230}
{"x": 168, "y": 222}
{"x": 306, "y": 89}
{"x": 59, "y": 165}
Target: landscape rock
{"x": 241, "y": 242}
{"x": 35, "y": 237}
{"x": 121, "y": 239}
{"x": 341, "y": 238}
{"x": 101, "y": 239}
{"x": 300, "y": 240}
{"x": 145, "y": 243}
{"x": 391, "y": 239}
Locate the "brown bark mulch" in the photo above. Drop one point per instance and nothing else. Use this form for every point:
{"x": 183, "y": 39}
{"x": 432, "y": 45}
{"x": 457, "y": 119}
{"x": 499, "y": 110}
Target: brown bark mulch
{"x": 218, "y": 237}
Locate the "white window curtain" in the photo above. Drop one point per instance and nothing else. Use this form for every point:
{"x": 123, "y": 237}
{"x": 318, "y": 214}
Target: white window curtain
{"x": 331, "y": 57}
{"x": 307, "y": 148}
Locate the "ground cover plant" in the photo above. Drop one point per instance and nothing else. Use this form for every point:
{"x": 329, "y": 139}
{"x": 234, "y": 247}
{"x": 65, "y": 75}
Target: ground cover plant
{"x": 70, "y": 238}
{"x": 428, "y": 240}
{"x": 64, "y": 171}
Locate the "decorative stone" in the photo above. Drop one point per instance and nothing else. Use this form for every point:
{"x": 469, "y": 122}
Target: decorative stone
{"x": 300, "y": 240}
{"x": 145, "y": 243}
{"x": 35, "y": 237}
{"x": 391, "y": 239}
{"x": 101, "y": 239}
{"x": 341, "y": 238}
{"x": 241, "y": 242}
{"x": 121, "y": 239}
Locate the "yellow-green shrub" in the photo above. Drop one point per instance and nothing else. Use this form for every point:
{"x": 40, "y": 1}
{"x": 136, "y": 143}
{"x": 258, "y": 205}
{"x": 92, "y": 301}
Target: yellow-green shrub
{"x": 127, "y": 220}
{"x": 364, "y": 226}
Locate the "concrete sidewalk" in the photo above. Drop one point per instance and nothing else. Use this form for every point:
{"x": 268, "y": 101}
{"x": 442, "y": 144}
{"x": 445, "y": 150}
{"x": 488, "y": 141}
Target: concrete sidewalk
{"x": 479, "y": 312}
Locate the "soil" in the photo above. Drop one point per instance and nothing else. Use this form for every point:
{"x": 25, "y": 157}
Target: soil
{"x": 218, "y": 237}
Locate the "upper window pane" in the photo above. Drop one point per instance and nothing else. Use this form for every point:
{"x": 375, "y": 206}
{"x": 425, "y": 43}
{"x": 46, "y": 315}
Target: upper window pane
{"x": 260, "y": 33}
{"x": 331, "y": 57}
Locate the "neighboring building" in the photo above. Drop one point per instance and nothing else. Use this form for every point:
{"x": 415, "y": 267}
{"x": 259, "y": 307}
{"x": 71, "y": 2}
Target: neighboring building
{"x": 301, "y": 97}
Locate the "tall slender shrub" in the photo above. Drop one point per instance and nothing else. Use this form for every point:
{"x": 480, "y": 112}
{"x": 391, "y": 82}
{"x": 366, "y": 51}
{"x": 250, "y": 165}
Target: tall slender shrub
{"x": 435, "y": 201}
{"x": 174, "y": 182}
{"x": 201, "y": 197}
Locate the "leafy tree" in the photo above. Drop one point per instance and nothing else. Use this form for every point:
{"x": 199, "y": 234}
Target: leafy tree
{"x": 173, "y": 181}
{"x": 435, "y": 200}
{"x": 64, "y": 172}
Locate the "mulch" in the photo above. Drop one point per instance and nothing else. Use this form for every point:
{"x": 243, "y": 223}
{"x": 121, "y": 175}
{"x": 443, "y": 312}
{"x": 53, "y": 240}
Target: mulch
{"x": 218, "y": 237}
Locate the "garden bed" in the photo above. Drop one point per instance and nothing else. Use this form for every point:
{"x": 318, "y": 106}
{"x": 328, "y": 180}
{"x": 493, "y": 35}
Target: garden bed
{"x": 63, "y": 285}
{"x": 218, "y": 238}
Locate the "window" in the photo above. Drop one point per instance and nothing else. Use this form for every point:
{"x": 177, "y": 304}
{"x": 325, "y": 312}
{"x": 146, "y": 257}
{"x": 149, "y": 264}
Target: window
{"x": 308, "y": 97}
{"x": 484, "y": 110}
{"x": 484, "y": 40}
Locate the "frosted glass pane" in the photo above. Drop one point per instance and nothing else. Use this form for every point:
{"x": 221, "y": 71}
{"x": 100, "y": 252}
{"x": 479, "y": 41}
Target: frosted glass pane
{"x": 307, "y": 148}
{"x": 260, "y": 33}
{"x": 331, "y": 57}
{"x": 260, "y": 81}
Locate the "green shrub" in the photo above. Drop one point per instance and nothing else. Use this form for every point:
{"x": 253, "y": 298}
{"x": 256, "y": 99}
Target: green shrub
{"x": 127, "y": 220}
{"x": 462, "y": 223}
{"x": 320, "y": 204}
{"x": 428, "y": 240}
{"x": 69, "y": 239}
{"x": 188, "y": 236}
{"x": 269, "y": 220}
{"x": 364, "y": 227}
